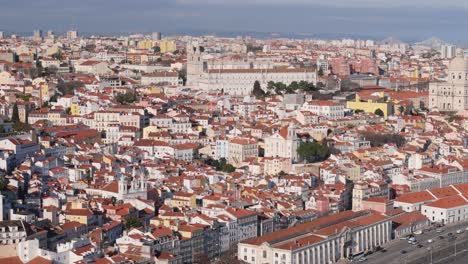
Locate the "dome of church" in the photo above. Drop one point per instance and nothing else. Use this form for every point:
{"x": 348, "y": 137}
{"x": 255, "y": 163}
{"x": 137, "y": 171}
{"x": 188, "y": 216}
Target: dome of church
{"x": 459, "y": 64}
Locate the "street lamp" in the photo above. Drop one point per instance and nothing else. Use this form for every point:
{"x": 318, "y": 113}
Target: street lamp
{"x": 455, "y": 247}
{"x": 430, "y": 250}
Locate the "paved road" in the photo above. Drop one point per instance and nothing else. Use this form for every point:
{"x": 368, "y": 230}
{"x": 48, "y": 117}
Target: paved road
{"x": 416, "y": 255}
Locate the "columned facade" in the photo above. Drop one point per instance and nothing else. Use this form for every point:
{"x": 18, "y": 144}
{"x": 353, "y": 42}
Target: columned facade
{"x": 327, "y": 245}
{"x": 451, "y": 95}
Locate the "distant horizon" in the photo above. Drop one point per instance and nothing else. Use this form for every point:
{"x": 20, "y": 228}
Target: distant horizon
{"x": 233, "y": 34}
{"x": 409, "y": 21}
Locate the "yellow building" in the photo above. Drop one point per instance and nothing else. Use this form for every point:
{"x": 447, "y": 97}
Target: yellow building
{"x": 167, "y": 46}
{"x": 150, "y": 129}
{"x": 370, "y": 102}
{"x": 52, "y": 50}
{"x": 78, "y": 212}
{"x": 74, "y": 108}
{"x": 155, "y": 90}
{"x": 145, "y": 44}
{"x": 183, "y": 199}
{"x": 6, "y": 77}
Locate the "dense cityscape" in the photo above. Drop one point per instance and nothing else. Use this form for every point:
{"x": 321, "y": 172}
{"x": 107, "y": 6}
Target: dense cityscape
{"x": 171, "y": 149}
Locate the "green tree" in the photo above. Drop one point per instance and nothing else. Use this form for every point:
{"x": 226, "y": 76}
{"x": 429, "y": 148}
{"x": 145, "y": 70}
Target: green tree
{"x": 69, "y": 87}
{"x": 126, "y": 98}
{"x": 401, "y": 109}
{"x": 132, "y": 222}
{"x": 271, "y": 85}
{"x": 183, "y": 75}
{"x": 313, "y": 151}
{"x": 378, "y": 139}
{"x": 320, "y": 72}
{"x": 257, "y": 90}
{"x": 3, "y": 183}
{"x": 379, "y": 112}
{"x": 15, "y": 116}
{"x": 222, "y": 165}
{"x": 228, "y": 168}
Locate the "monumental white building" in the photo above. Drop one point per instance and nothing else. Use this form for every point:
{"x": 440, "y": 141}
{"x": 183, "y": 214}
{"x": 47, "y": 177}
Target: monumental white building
{"x": 324, "y": 240}
{"x": 451, "y": 95}
{"x": 238, "y": 79}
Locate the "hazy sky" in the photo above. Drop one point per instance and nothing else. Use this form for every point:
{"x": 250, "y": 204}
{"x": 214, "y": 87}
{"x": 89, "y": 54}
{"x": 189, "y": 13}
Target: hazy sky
{"x": 404, "y": 19}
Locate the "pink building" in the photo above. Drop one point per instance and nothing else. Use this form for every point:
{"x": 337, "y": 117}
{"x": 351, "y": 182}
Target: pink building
{"x": 379, "y": 204}
{"x": 323, "y": 205}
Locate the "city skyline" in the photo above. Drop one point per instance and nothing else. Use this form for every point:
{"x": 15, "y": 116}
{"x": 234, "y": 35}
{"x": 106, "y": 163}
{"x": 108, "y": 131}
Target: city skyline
{"x": 408, "y": 21}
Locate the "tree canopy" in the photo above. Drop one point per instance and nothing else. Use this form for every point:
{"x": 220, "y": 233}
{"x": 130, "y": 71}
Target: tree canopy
{"x": 132, "y": 222}
{"x": 313, "y": 151}
{"x": 257, "y": 90}
{"x": 222, "y": 165}
{"x": 69, "y": 87}
{"x": 379, "y": 112}
{"x": 4, "y": 183}
{"x": 126, "y": 98}
{"x": 15, "y": 115}
{"x": 320, "y": 72}
{"x": 281, "y": 88}
{"x": 378, "y": 139}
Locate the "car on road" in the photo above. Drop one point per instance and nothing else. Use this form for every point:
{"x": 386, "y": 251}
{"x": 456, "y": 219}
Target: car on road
{"x": 450, "y": 234}
{"x": 419, "y": 246}
{"x": 362, "y": 259}
{"x": 439, "y": 230}
{"x": 430, "y": 241}
{"x": 466, "y": 228}
{"x": 418, "y": 232}
{"x": 403, "y": 252}
{"x": 459, "y": 231}
{"x": 441, "y": 237}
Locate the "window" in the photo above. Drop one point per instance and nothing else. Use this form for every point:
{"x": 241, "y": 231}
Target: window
{"x": 264, "y": 254}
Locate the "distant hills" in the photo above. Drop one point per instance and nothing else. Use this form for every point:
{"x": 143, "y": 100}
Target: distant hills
{"x": 432, "y": 42}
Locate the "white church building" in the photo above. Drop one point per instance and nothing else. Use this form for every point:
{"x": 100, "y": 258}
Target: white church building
{"x": 451, "y": 95}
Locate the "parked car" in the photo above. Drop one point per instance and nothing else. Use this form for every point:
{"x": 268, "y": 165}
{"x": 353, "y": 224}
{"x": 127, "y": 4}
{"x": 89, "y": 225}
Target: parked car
{"x": 439, "y": 230}
{"x": 430, "y": 241}
{"x": 418, "y": 232}
{"x": 459, "y": 231}
{"x": 403, "y": 252}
